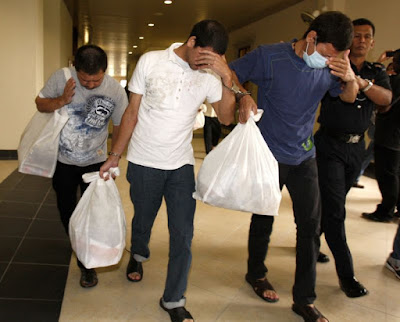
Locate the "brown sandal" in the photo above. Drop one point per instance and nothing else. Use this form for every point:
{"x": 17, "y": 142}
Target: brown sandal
{"x": 260, "y": 286}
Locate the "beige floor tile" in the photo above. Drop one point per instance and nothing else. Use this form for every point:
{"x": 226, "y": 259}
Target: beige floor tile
{"x": 217, "y": 290}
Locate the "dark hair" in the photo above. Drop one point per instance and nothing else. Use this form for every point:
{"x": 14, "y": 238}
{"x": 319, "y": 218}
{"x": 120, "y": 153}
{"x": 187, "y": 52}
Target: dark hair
{"x": 363, "y": 22}
{"x": 333, "y": 27}
{"x": 90, "y": 59}
{"x": 210, "y": 33}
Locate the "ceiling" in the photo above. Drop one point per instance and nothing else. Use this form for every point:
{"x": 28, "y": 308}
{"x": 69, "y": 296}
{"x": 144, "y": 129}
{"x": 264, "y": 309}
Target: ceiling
{"x": 116, "y": 25}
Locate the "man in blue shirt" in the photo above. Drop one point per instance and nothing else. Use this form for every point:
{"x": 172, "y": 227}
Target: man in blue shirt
{"x": 292, "y": 79}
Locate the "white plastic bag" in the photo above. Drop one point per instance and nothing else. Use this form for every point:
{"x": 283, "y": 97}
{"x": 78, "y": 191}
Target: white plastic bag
{"x": 38, "y": 148}
{"x": 241, "y": 173}
{"x": 97, "y": 227}
{"x": 200, "y": 118}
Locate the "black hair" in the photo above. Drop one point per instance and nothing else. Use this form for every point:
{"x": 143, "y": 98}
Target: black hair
{"x": 90, "y": 59}
{"x": 210, "y": 33}
{"x": 333, "y": 27}
{"x": 363, "y": 22}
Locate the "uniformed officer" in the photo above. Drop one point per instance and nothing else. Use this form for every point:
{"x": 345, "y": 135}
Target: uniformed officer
{"x": 340, "y": 147}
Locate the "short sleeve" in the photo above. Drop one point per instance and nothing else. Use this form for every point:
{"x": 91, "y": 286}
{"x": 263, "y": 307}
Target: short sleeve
{"x": 250, "y": 67}
{"x": 382, "y": 79}
{"x": 137, "y": 82}
{"x": 54, "y": 86}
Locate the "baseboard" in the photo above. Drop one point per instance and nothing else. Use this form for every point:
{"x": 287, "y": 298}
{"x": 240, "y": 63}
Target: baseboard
{"x": 8, "y": 155}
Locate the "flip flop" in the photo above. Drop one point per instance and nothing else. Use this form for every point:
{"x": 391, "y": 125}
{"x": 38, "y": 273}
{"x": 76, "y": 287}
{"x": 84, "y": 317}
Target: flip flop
{"x": 134, "y": 267}
{"x": 178, "y": 314}
{"x": 260, "y": 286}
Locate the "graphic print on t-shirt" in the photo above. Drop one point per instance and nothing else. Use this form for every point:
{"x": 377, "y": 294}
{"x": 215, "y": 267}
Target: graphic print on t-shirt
{"x": 83, "y": 137}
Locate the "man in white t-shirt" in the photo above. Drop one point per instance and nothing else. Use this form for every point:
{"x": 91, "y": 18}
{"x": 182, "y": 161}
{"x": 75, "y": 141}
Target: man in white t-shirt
{"x": 92, "y": 99}
{"x": 167, "y": 88}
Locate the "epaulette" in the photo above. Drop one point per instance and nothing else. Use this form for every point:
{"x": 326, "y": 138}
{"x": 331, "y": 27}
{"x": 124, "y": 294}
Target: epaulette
{"x": 378, "y": 66}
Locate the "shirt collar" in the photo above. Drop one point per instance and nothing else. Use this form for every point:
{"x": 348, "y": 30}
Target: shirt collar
{"x": 172, "y": 56}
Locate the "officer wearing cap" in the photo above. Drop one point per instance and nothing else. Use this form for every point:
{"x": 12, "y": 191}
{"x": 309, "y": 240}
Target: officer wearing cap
{"x": 340, "y": 147}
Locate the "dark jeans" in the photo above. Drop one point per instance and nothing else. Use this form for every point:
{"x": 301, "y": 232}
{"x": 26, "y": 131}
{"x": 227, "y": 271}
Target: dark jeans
{"x": 396, "y": 245}
{"x": 212, "y": 132}
{"x": 339, "y": 164}
{"x": 66, "y": 180}
{"x": 387, "y": 163}
{"x": 302, "y": 182}
{"x": 148, "y": 187}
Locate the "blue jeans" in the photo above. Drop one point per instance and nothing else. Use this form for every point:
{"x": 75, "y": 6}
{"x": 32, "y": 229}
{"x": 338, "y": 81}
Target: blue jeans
{"x": 148, "y": 187}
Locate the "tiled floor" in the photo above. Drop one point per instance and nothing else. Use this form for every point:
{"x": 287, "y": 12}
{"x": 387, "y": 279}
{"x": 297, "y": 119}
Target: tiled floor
{"x": 217, "y": 290}
{"x": 34, "y": 250}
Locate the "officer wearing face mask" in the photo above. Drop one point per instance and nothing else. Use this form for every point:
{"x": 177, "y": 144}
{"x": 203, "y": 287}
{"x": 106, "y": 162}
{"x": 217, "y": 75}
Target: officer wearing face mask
{"x": 340, "y": 148}
{"x": 292, "y": 78}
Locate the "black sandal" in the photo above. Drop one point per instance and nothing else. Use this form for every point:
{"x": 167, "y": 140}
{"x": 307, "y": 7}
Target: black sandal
{"x": 88, "y": 277}
{"x": 134, "y": 267}
{"x": 178, "y": 314}
{"x": 260, "y": 286}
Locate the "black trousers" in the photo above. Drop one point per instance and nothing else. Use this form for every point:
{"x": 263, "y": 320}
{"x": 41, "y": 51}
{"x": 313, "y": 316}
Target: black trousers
{"x": 66, "y": 181}
{"x": 212, "y": 132}
{"x": 302, "y": 182}
{"x": 339, "y": 164}
{"x": 387, "y": 164}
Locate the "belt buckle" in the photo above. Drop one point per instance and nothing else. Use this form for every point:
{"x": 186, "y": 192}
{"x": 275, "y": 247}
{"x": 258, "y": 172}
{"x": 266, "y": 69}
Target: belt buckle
{"x": 353, "y": 138}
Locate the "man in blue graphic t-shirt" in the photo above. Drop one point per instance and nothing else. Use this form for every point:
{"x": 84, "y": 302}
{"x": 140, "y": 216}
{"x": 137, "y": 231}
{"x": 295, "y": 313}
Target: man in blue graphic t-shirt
{"x": 92, "y": 99}
{"x": 292, "y": 78}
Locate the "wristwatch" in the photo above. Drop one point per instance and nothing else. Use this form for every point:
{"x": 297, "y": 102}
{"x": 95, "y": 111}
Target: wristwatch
{"x": 236, "y": 90}
{"x": 366, "y": 88}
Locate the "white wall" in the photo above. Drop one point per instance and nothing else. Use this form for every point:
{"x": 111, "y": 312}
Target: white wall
{"x": 23, "y": 59}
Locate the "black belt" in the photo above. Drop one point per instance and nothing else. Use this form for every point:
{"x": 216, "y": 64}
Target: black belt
{"x": 344, "y": 137}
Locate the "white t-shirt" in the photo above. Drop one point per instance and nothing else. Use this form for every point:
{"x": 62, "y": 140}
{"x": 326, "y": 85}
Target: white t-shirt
{"x": 171, "y": 95}
{"x": 83, "y": 140}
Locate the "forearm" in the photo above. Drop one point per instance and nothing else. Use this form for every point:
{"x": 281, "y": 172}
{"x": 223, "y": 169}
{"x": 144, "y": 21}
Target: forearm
{"x": 350, "y": 91}
{"x": 121, "y": 137}
{"x": 377, "y": 94}
{"x": 226, "y": 107}
{"x": 48, "y": 105}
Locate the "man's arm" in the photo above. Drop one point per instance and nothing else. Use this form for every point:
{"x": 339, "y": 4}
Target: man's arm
{"x": 48, "y": 105}
{"x": 377, "y": 94}
{"x": 123, "y": 133}
{"x": 225, "y": 108}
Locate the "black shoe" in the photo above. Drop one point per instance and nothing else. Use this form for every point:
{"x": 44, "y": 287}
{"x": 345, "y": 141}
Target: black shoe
{"x": 322, "y": 258}
{"x": 309, "y": 313}
{"x": 374, "y": 216}
{"x": 88, "y": 277}
{"x": 357, "y": 185}
{"x": 352, "y": 287}
{"x": 397, "y": 214}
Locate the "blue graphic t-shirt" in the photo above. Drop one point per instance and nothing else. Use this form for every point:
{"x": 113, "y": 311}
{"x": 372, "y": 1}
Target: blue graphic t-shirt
{"x": 289, "y": 93}
{"x": 83, "y": 140}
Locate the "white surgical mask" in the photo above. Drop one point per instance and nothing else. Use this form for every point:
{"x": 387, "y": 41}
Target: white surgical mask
{"x": 315, "y": 60}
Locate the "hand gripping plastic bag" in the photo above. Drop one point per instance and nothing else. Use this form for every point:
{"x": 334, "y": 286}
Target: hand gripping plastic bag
{"x": 200, "y": 118}
{"x": 97, "y": 227}
{"x": 38, "y": 148}
{"x": 241, "y": 173}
